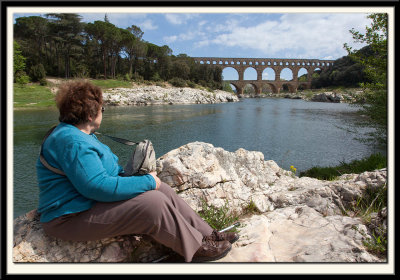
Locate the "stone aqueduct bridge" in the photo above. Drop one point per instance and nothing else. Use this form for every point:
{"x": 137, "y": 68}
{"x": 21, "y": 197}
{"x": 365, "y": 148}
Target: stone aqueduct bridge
{"x": 260, "y": 64}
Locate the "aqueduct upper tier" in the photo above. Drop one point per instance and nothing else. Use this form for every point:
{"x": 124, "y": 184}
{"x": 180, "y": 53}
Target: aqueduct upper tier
{"x": 276, "y": 64}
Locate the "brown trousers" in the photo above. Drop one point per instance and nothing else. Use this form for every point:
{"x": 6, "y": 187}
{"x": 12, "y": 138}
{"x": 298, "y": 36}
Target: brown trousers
{"x": 162, "y": 214}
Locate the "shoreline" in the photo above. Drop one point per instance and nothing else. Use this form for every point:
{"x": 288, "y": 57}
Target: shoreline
{"x": 165, "y": 94}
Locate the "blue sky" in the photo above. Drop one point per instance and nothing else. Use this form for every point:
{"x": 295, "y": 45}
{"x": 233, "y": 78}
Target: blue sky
{"x": 317, "y": 35}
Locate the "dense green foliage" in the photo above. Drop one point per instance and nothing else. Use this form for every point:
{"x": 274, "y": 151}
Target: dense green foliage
{"x": 373, "y": 102}
{"x": 345, "y": 72}
{"x": 20, "y": 76}
{"x": 60, "y": 45}
{"x": 367, "y": 68}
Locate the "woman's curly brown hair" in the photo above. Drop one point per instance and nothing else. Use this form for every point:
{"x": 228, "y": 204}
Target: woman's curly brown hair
{"x": 77, "y": 101}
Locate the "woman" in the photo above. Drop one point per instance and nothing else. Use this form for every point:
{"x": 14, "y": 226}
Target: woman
{"x": 94, "y": 200}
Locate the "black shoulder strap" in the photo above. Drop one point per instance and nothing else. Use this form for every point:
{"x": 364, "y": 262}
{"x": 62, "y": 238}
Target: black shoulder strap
{"x": 43, "y": 160}
{"x": 119, "y": 140}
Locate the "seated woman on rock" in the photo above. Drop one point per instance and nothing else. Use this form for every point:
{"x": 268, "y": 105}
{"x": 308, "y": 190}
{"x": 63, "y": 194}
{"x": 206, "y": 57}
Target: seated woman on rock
{"x": 94, "y": 200}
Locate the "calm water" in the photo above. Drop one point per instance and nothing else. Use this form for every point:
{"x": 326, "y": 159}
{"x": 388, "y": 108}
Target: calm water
{"x": 290, "y": 132}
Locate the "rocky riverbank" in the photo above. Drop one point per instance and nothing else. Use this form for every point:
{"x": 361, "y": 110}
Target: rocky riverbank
{"x": 323, "y": 96}
{"x": 296, "y": 219}
{"x": 156, "y": 95}
{"x": 140, "y": 95}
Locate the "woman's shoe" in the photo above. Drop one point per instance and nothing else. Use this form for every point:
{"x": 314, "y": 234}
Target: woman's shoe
{"x": 211, "y": 250}
{"x": 220, "y": 236}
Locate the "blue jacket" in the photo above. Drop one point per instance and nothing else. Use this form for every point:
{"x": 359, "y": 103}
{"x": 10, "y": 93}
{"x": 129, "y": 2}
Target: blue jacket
{"x": 92, "y": 174}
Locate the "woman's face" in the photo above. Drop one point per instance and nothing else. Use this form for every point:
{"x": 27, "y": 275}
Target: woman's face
{"x": 97, "y": 121}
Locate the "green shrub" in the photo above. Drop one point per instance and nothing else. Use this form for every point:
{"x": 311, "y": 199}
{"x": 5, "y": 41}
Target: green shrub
{"x": 127, "y": 77}
{"x": 137, "y": 78}
{"x": 203, "y": 83}
{"x": 217, "y": 218}
{"x": 43, "y": 82}
{"x": 81, "y": 71}
{"x": 191, "y": 84}
{"x": 177, "y": 82}
{"x": 37, "y": 73}
{"x": 21, "y": 78}
{"x": 156, "y": 77}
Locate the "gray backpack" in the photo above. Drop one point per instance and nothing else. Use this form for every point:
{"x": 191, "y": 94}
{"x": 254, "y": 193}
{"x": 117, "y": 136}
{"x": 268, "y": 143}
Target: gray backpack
{"x": 142, "y": 161}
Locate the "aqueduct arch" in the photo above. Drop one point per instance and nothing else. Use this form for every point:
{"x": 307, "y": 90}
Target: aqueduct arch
{"x": 260, "y": 64}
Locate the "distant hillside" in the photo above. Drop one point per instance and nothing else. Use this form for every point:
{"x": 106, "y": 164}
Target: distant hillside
{"x": 345, "y": 72}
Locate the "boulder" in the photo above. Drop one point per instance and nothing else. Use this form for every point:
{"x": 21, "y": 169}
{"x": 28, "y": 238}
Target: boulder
{"x": 31, "y": 244}
{"x": 328, "y": 97}
{"x": 300, "y": 234}
{"x": 299, "y": 220}
{"x": 296, "y": 219}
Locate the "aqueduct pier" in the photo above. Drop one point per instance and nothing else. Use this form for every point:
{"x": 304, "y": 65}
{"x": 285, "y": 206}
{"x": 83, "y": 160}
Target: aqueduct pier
{"x": 276, "y": 64}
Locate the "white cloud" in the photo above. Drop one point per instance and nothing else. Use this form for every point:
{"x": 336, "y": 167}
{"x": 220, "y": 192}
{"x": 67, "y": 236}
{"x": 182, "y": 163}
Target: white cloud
{"x": 179, "y": 18}
{"x": 296, "y": 35}
{"x": 147, "y": 25}
{"x": 201, "y": 23}
{"x": 202, "y": 43}
{"x": 170, "y": 39}
{"x": 191, "y": 35}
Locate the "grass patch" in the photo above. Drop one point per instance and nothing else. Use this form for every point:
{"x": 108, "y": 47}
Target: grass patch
{"x": 33, "y": 96}
{"x": 373, "y": 162}
{"x": 373, "y": 201}
{"x": 251, "y": 208}
{"x": 367, "y": 207}
{"x": 111, "y": 83}
{"x": 39, "y": 96}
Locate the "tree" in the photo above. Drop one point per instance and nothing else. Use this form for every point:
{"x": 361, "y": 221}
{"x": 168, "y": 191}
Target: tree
{"x": 345, "y": 72}
{"x": 62, "y": 45}
{"x": 66, "y": 32}
{"x": 19, "y": 65}
{"x": 373, "y": 103}
{"x": 102, "y": 33}
{"x": 133, "y": 46}
{"x": 31, "y": 33}
{"x": 115, "y": 39}
{"x": 19, "y": 59}
{"x": 180, "y": 69}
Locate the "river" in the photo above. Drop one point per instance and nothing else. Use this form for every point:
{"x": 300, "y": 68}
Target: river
{"x": 290, "y": 132}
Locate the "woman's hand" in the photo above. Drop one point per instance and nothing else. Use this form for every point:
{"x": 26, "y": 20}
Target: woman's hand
{"x": 158, "y": 181}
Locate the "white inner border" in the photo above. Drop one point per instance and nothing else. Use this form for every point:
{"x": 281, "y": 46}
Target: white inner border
{"x": 211, "y": 268}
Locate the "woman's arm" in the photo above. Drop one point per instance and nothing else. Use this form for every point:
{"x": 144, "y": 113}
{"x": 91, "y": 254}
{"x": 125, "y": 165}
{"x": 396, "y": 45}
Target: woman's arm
{"x": 85, "y": 170}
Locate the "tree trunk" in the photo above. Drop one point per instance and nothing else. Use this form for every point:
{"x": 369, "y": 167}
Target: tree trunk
{"x": 130, "y": 68}
{"x": 104, "y": 63}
